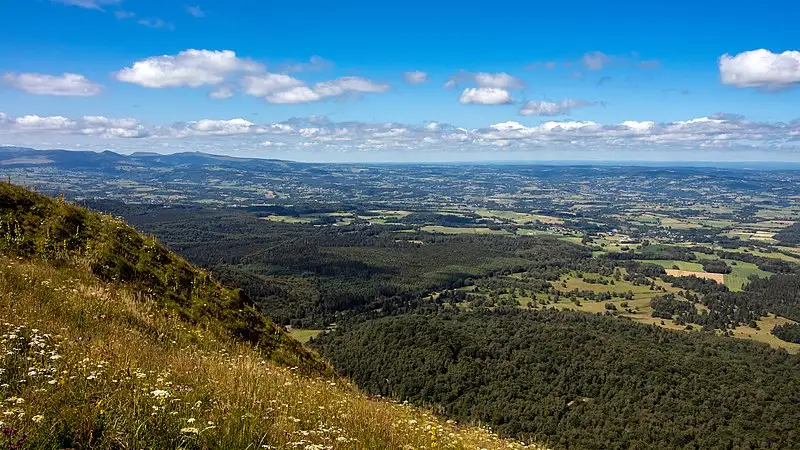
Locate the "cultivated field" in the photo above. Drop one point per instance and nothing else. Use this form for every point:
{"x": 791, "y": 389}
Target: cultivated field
{"x": 718, "y": 277}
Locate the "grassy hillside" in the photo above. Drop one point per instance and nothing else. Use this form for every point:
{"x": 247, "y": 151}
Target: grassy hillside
{"x": 110, "y": 341}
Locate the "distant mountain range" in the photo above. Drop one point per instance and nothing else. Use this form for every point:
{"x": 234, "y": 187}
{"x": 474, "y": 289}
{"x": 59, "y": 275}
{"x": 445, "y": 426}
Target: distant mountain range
{"x": 11, "y": 156}
{"x": 82, "y": 159}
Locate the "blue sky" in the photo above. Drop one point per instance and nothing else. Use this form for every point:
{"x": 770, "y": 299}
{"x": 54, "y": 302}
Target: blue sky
{"x": 505, "y": 73}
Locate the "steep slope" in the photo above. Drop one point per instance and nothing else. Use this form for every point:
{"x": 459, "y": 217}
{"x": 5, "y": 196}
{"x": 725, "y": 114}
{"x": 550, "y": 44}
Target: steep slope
{"x": 34, "y": 226}
{"x": 110, "y": 341}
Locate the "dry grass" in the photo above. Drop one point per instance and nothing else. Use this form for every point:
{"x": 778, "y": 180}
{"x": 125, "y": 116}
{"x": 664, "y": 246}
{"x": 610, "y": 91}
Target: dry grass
{"x": 87, "y": 364}
{"x": 718, "y": 277}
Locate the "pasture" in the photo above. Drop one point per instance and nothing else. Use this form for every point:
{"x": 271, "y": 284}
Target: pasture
{"x": 518, "y": 217}
{"x": 741, "y": 274}
{"x": 461, "y": 230}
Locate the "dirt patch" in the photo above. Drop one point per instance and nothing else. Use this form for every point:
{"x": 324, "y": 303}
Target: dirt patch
{"x": 718, "y": 277}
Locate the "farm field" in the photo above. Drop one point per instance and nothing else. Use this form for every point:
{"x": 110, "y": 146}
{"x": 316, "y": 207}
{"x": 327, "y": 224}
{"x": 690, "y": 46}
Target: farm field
{"x": 718, "y": 277}
{"x": 619, "y": 287}
{"x": 461, "y": 230}
{"x": 670, "y": 263}
{"x": 289, "y": 219}
{"x": 519, "y": 218}
{"x": 741, "y": 274}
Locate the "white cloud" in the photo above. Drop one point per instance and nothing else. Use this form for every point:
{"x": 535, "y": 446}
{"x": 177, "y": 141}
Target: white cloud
{"x": 345, "y": 85}
{"x": 221, "y": 93}
{"x": 122, "y": 15}
{"x": 498, "y": 81}
{"x": 282, "y": 88}
{"x": 300, "y": 94}
{"x": 485, "y": 96}
{"x": 760, "y": 68}
{"x": 639, "y": 126}
{"x": 507, "y": 126}
{"x": 273, "y": 144}
{"x": 214, "y": 127}
{"x": 112, "y": 128}
{"x": 88, "y": 4}
{"x": 415, "y": 77}
{"x": 68, "y": 84}
{"x": 34, "y": 122}
{"x": 190, "y": 68}
{"x": 102, "y": 121}
{"x": 543, "y": 108}
{"x": 270, "y": 83}
{"x": 318, "y": 134}
{"x": 97, "y": 126}
{"x": 195, "y": 11}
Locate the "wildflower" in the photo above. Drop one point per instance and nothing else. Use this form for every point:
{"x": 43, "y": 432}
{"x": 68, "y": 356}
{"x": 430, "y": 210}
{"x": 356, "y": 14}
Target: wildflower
{"x": 159, "y": 393}
{"x": 190, "y": 420}
{"x": 37, "y": 419}
{"x": 190, "y": 430}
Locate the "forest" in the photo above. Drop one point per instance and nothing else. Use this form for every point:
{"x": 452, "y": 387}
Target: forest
{"x": 466, "y": 323}
{"x": 578, "y": 380}
{"x": 307, "y": 276}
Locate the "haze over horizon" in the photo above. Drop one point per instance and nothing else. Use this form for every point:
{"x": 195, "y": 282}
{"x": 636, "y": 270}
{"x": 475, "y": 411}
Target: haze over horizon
{"x": 425, "y": 82}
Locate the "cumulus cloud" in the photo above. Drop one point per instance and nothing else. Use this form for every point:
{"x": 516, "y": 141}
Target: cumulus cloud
{"x": 218, "y": 128}
{"x": 318, "y": 134}
{"x": 97, "y": 126}
{"x": 285, "y": 89}
{"x": 68, "y": 84}
{"x": 415, "y": 77}
{"x": 105, "y": 127}
{"x": 300, "y": 94}
{"x": 485, "y": 96}
{"x": 499, "y": 80}
{"x": 345, "y": 85}
{"x": 760, "y": 68}
{"x": 189, "y": 68}
{"x": 195, "y": 11}
{"x": 34, "y": 122}
{"x": 544, "y": 108}
{"x": 269, "y": 83}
